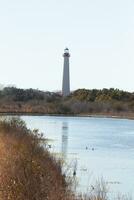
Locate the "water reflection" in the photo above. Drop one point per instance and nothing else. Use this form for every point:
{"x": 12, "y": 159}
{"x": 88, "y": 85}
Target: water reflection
{"x": 112, "y": 155}
{"x": 64, "y": 147}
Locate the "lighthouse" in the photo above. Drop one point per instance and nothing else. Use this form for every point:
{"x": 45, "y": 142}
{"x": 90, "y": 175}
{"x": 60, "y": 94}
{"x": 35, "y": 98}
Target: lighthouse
{"x": 66, "y": 74}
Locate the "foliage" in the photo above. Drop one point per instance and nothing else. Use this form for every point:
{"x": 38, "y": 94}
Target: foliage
{"x": 26, "y": 167}
{"x": 103, "y": 95}
{"x": 81, "y": 101}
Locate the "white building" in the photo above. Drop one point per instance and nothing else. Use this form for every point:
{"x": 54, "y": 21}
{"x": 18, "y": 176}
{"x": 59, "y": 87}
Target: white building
{"x": 66, "y": 74}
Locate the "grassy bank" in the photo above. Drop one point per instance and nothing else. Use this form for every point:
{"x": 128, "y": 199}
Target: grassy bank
{"x": 27, "y": 171}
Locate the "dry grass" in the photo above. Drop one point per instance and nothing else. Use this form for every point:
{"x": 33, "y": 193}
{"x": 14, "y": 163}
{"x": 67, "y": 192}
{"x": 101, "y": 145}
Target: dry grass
{"x": 27, "y": 171}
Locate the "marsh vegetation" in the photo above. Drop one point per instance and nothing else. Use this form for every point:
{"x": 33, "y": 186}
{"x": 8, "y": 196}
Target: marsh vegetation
{"x": 82, "y": 101}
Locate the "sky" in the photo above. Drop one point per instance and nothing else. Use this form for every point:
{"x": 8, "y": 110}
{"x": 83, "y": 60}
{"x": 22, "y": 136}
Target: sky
{"x": 99, "y": 34}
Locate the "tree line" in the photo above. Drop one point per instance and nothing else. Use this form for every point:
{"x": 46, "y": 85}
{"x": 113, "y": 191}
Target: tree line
{"x": 81, "y": 101}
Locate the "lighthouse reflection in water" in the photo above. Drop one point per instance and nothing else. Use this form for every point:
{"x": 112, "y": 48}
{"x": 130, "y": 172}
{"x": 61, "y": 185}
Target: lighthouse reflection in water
{"x": 64, "y": 146}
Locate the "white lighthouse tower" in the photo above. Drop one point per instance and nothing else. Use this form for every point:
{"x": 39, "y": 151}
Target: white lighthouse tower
{"x": 66, "y": 74}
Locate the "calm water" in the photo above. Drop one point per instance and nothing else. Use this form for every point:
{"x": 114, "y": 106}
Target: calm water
{"x": 96, "y": 147}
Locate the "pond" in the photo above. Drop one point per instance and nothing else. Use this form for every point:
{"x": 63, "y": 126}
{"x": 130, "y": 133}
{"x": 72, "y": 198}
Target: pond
{"x": 94, "y": 147}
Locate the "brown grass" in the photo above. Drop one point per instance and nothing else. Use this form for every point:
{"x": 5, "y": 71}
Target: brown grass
{"x": 27, "y": 171}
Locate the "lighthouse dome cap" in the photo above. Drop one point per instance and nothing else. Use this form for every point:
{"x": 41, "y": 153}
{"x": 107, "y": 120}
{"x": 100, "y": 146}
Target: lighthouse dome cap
{"x": 66, "y": 53}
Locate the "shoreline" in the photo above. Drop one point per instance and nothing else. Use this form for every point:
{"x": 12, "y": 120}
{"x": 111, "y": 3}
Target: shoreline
{"x": 96, "y": 115}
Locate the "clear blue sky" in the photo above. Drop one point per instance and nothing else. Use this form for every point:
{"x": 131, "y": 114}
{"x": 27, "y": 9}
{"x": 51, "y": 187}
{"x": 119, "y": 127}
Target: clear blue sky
{"x": 99, "y": 34}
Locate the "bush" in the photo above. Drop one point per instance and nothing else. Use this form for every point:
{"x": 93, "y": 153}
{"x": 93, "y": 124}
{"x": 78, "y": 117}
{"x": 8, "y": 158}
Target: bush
{"x": 26, "y": 167}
